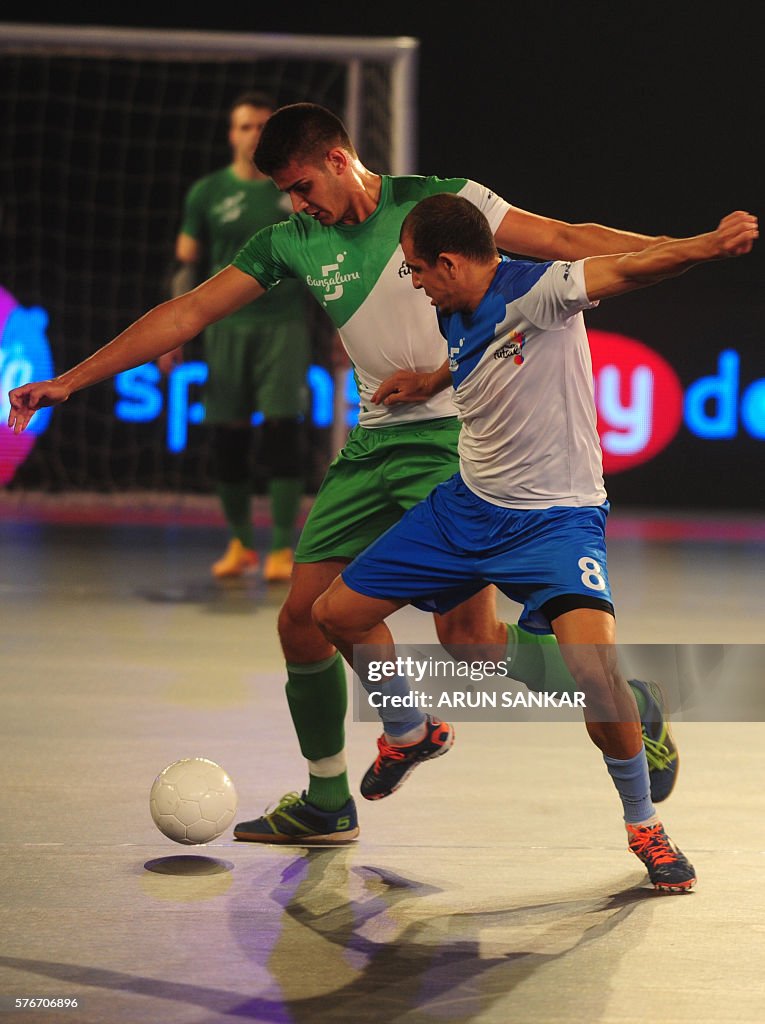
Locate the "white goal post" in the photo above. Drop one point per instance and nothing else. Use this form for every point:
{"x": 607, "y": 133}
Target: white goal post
{"x": 400, "y": 53}
{"x": 105, "y": 129}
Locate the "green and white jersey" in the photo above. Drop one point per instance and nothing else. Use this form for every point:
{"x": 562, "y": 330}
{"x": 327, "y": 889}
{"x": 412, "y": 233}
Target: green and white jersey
{"x": 221, "y": 212}
{"x": 358, "y": 275}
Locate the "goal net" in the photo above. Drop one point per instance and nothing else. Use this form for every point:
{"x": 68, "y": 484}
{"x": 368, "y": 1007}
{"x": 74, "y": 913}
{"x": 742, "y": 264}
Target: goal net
{"x": 105, "y": 129}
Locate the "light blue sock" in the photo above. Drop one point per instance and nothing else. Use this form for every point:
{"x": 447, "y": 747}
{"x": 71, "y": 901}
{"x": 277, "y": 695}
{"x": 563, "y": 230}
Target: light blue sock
{"x": 633, "y": 785}
{"x": 396, "y": 720}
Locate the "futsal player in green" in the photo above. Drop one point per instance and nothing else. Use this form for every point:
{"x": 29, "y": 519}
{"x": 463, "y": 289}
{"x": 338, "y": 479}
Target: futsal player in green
{"x": 343, "y": 244}
{"x": 257, "y": 358}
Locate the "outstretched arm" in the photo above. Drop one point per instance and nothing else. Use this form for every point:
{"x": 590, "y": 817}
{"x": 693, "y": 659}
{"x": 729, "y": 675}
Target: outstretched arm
{"x": 528, "y": 234}
{"x": 614, "y": 275}
{"x": 160, "y": 330}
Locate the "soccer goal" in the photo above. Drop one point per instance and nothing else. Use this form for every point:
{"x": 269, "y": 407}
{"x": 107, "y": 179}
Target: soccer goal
{"x": 105, "y": 129}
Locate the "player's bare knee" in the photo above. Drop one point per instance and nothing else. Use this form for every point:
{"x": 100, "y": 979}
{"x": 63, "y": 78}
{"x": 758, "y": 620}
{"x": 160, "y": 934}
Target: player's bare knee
{"x": 293, "y": 620}
{"x": 326, "y": 617}
{"x": 605, "y": 692}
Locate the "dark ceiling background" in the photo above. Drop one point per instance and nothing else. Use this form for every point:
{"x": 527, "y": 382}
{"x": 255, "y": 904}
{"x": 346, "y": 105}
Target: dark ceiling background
{"x": 639, "y": 115}
{"x": 644, "y": 115}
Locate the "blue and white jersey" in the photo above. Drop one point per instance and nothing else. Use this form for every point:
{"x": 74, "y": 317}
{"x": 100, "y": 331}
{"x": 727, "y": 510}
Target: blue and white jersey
{"x": 523, "y": 389}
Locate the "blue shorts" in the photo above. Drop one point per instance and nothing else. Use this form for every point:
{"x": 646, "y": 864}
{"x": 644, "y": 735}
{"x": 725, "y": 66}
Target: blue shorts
{"x": 450, "y": 545}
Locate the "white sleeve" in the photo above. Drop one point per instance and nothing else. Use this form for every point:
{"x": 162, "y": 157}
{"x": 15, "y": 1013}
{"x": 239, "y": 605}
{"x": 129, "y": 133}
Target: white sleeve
{"x": 558, "y": 294}
{"x": 492, "y": 206}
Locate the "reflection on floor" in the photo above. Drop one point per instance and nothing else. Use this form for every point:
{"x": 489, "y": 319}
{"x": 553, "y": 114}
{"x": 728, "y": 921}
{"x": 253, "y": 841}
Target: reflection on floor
{"x": 494, "y": 887}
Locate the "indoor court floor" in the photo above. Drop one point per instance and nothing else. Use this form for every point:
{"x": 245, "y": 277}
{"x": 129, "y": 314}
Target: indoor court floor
{"x": 494, "y": 887}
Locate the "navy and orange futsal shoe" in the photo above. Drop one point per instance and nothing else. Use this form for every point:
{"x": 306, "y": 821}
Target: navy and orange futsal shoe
{"x": 668, "y": 868}
{"x": 395, "y": 764}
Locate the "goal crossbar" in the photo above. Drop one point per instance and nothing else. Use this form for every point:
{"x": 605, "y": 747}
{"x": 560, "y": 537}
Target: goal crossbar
{"x": 399, "y": 52}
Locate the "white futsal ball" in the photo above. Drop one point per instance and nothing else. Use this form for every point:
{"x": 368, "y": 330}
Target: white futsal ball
{"x": 193, "y": 801}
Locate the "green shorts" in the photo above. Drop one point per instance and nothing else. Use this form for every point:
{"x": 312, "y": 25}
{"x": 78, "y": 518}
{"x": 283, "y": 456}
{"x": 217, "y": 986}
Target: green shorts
{"x": 253, "y": 368}
{"x": 376, "y": 477}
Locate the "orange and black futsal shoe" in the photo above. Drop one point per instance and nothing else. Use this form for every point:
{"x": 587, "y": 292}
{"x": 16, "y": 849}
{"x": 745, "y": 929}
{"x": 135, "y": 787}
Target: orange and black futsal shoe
{"x": 668, "y": 868}
{"x": 394, "y": 764}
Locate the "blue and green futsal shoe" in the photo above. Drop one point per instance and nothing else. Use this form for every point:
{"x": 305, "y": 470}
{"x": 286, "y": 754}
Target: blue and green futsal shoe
{"x": 296, "y": 821}
{"x": 660, "y": 748}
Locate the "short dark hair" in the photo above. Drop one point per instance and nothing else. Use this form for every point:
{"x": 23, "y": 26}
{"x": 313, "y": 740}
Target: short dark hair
{"x": 299, "y": 131}
{"x": 448, "y": 223}
{"x": 253, "y": 98}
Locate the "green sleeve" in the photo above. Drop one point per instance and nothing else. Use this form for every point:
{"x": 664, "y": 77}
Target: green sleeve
{"x": 263, "y": 257}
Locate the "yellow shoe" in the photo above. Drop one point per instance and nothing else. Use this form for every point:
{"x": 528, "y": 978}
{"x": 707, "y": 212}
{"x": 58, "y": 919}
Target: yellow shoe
{"x": 237, "y": 560}
{"x": 278, "y": 568}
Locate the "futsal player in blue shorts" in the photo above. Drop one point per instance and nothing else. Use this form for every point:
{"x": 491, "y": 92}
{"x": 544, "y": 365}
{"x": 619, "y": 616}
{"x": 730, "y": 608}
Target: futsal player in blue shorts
{"x": 342, "y": 242}
{"x": 527, "y": 510}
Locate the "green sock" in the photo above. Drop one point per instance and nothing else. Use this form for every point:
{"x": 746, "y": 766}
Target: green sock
{"x": 285, "y": 493}
{"x": 537, "y": 661}
{"x": 329, "y": 794}
{"x": 235, "y": 499}
{"x": 317, "y": 695}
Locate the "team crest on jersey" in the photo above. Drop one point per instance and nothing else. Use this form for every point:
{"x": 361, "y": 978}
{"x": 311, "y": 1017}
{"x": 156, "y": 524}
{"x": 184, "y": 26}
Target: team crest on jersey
{"x": 230, "y": 208}
{"x": 454, "y": 352}
{"x": 331, "y": 281}
{"x": 513, "y": 348}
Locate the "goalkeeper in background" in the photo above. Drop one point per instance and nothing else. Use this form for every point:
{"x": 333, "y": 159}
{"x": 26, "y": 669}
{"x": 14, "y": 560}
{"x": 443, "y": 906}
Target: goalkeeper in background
{"x": 257, "y": 358}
